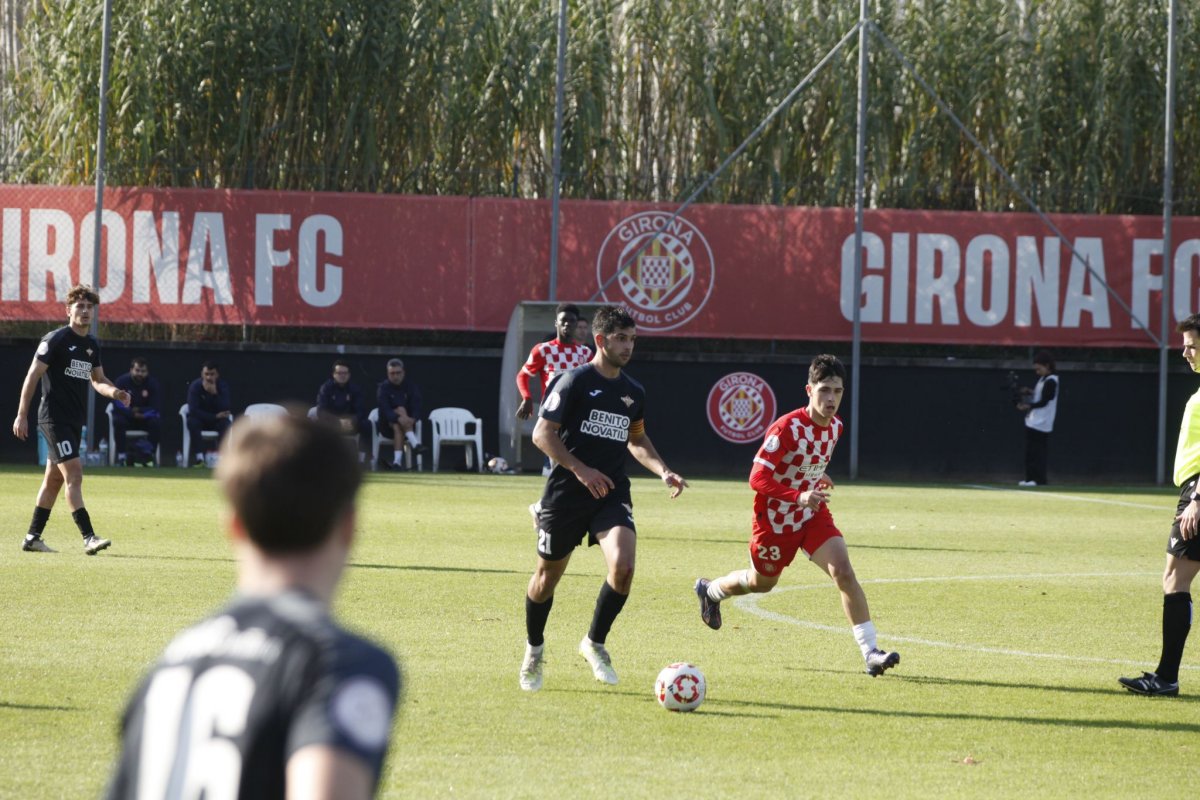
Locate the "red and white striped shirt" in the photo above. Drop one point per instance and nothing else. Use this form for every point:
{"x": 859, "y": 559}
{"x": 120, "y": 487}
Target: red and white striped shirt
{"x": 547, "y": 359}
{"x": 792, "y": 459}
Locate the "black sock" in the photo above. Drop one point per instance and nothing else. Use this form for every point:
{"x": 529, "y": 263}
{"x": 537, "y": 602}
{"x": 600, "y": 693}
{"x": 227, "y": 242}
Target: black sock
{"x": 38, "y": 523}
{"x": 608, "y": 604}
{"x": 1176, "y": 622}
{"x": 536, "y": 615}
{"x": 83, "y": 522}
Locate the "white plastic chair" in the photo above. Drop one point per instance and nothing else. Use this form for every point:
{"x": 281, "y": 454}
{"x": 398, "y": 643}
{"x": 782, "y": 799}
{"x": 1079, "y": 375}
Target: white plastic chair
{"x": 264, "y": 410}
{"x": 129, "y": 435}
{"x": 378, "y": 439}
{"x": 452, "y": 426}
{"x": 209, "y": 436}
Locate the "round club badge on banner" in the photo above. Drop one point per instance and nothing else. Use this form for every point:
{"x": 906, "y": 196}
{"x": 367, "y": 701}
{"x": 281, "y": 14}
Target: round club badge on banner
{"x": 741, "y": 406}
{"x": 659, "y": 266}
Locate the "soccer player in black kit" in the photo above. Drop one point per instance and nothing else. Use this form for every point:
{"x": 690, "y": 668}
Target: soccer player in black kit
{"x": 66, "y": 363}
{"x": 269, "y": 698}
{"x": 590, "y": 417}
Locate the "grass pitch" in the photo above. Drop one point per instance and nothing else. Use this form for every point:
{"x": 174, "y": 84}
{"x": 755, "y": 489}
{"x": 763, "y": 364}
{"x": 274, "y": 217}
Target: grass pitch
{"x": 1014, "y": 613}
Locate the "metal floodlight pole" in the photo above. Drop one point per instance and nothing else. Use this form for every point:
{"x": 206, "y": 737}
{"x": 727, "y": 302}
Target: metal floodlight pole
{"x": 1167, "y": 260}
{"x": 556, "y": 168}
{"x": 101, "y": 137}
{"x": 859, "y": 189}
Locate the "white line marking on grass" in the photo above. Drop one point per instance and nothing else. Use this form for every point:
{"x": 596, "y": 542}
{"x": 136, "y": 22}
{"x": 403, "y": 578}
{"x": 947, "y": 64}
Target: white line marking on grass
{"x": 749, "y": 603}
{"x": 1057, "y": 496}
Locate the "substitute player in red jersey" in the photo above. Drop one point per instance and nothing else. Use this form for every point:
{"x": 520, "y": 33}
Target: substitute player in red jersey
{"x": 547, "y": 359}
{"x": 791, "y": 512}
{"x": 565, "y": 351}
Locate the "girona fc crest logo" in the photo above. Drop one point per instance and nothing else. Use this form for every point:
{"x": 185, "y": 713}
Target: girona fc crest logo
{"x": 741, "y": 406}
{"x": 661, "y": 269}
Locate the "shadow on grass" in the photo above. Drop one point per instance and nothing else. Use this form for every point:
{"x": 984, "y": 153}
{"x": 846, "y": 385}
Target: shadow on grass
{"x": 1066, "y": 722}
{"x": 857, "y": 546}
{"x": 424, "y": 568}
{"x": 693, "y": 539}
{"x": 34, "y": 707}
{"x": 148, "y": 557}
{"x": 705, "y": 710}
{"x": 406, "y": 567}
{"x": 930, "y": 680}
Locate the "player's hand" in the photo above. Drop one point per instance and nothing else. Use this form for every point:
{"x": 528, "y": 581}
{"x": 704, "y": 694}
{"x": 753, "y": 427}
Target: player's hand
{"x": 21, "y": 427}
{"x": 825, "y": 484}
{"x": 676, "y": 482}
{"x": 1188, "y": 521}
{"x": 813, "y": 498}
{"x": 596, "y": 481}
{"x": 123, "y": 396}
{"x": 525, "y": 410}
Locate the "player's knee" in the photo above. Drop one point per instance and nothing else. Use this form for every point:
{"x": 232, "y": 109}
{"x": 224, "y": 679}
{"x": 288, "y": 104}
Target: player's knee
{"x": 843, "y": 575}
{"x": 755, "y": 582}
{"x": 621, "y": 577}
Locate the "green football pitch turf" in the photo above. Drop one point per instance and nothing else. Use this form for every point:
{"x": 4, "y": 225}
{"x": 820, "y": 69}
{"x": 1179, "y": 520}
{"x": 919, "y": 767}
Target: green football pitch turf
{"x": 1014, "y": 612}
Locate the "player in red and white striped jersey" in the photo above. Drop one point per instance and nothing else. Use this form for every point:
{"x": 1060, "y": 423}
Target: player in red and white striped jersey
{"x": 547, "y": 359}
{"x": 565, "y": 351}
{"x": 791, "y": 512}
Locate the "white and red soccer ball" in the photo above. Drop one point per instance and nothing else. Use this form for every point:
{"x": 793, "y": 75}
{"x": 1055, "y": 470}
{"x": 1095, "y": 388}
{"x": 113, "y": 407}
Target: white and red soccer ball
{"x": 680, "y": 687}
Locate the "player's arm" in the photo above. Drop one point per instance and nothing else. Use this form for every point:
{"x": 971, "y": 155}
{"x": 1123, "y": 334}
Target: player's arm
{"x": 323, "y": 772}
{"x": 643, "y": 450}
{"x": 106, "y": 388}
{"x": 1189, "y": 519}
{"x": 762, "y": 480}
{"x": 545, "y": 436}
{"x": 532, "y": 369}
{"x": 21, "y": 424}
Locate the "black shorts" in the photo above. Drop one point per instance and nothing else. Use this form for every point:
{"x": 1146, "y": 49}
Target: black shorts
{"x": 1176, "y": 544}
{"x": 561, "y": 530}
{"x": 62, "y": 439}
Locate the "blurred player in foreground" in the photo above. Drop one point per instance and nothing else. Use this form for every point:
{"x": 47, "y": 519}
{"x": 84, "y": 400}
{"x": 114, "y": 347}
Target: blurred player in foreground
{"x": 67, "y": 362}
{"x": 791, "y": 512}
{"x": 1183, "y": 543}
{"x": 590, "y": 417}
{"x": 269, "y": 698}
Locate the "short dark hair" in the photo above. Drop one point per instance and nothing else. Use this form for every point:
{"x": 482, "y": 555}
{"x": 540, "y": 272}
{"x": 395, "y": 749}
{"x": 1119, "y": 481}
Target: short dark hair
{"x": 824, "y": 367}
{"x": 569, "y": 308}
{"x": 139, "y": 361}
{"x": 341, "y": 362}
{"x": 210, "y": 364}
{"x": 289, "y": 479}
{"x": 1192, "y": 323}
{"x": 81, "y": 291}
{"x": 610, "y": 319}
{"x": 1044, "y": 358}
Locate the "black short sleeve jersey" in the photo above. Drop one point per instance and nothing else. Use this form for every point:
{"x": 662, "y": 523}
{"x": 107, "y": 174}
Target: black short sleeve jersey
{"x": 232, "y": 698}
{"x": 70, "y": 359}
{"x": 595, "y": 414}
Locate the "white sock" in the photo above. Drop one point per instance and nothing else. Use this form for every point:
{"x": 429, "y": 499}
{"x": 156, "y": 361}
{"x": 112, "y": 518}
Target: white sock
{"x": 412, "y": 439}
{"x": 864, "y": 634}
{"x": 398, "y": 457}
{"x": 715, "y": 592}
{"x": 534, "y": 651}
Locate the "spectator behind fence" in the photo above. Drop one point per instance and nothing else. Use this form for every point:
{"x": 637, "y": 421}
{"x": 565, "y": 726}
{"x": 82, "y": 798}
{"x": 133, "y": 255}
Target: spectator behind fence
{"x": 399, "y": 402}
{"x": 209, "y": 409}
{"x": 341, "y": 401}
{"x": 144, "y": 413}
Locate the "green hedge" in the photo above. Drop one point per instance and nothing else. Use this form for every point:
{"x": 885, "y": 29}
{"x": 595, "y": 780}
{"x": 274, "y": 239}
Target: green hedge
{"x": 456, "y": 97}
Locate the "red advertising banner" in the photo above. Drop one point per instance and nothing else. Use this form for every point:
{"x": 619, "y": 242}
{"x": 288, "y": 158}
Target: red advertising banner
{"x": 387, "y": 261}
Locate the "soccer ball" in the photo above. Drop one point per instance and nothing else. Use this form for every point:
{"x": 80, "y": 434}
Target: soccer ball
{"x": 497, "y": 465}
{"x": 680, "y": 687}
